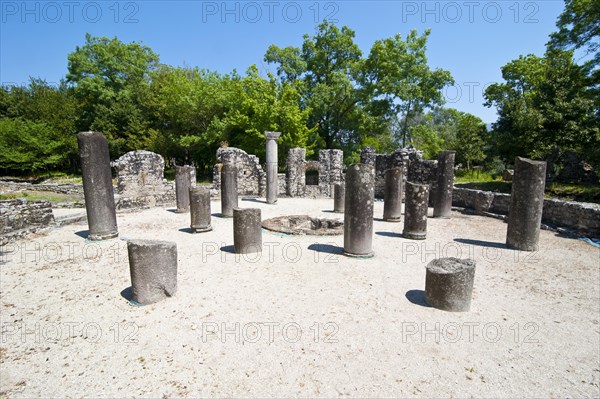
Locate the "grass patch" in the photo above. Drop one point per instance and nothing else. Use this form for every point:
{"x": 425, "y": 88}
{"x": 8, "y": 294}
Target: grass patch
{"x": 470, "y": 176}
{"x": 54, "y": 198}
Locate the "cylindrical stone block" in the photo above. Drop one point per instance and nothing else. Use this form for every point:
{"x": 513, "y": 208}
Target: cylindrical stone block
{"x": 449, "y": 284}
{"x": 339, "y": 191}
{"x": 526, "y": 204}
{"x": 153, "y": 267}
{"x": 415, "y": 211}
{"x": 392, "y": 195}
{"x": 200, "y": 209}
{"x": 229, "y": 190}
{"x": 442, "y": 196}
{"x": 247, "y": 235}
{"x": 272, "y": 165}
{"x": 97, "y": 185}
{"x": 358, "y": 210}
{"x": 185, "y": 177}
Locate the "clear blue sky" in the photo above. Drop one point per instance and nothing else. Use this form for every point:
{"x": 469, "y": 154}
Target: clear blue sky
{"x": 471, "y": 39}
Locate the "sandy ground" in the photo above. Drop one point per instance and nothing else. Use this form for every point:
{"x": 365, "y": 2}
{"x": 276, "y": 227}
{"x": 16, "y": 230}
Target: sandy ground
{"x": 300, "y": 319}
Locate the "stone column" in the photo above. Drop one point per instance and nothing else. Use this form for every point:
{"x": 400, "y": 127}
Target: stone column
{"x": 229, "y": 190}
{"x": 358, "y": 210}
{"x": 97, "y": 185}
{"x": 526, "y": 203}
{"x": 415, "y": 211}
{"x": 442, "y": 196}
{"x": 153, "y": 267}
{"x": 449, "y": 284}
{"x": 392, "y": 197}
{"x": 247, "y": 235}
{"x": 185, "y": 177}
{"x": 200, "y": 209}
{"x": 339, "y": 193}
{"x": 271, "y": 163}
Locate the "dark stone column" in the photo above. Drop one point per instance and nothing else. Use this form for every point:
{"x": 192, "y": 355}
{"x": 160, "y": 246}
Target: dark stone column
{"x": 415, "y": 211}
{"x": 97, "y": 185}
{"x": 247, "y": 234}
{"x": 392, "y": 197}
{"x": 185, "y": 177}
{"x": 271, "y": 163}
{"x": 229, "y": 190}
{"x": 442, "y": 196}
{"x": 200, "y": 209}
{"x": 526, "y": 203}
{"x": 339, "y": 191}
{"x": 153, "y": 267}
{"x": 449, "y": 284}
{"x": 358, "y": 210}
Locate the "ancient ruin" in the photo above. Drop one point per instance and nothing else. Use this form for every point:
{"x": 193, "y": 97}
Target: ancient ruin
{"x": 304, "y": 225}
{"x": 449, "y": 284}
{"x": 358, "y": 211}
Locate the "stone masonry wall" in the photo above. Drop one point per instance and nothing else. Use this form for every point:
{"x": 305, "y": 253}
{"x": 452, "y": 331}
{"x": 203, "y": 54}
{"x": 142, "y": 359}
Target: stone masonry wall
{"x": 330, "y": 168}
{"x": 20, "y": 216}
{"x": 141, "y": 182}
{"x": 252, "y": 180}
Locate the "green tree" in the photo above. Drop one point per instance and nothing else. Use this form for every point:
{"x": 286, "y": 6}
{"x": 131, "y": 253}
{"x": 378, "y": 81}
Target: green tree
{"x": 109, "y": 77}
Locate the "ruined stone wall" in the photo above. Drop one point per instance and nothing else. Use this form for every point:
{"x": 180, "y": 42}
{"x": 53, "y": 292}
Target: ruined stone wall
{"x": 19, "y": 216}
{"x": 329, "y": 166}
{"x": 141, "y": 182}
{"x": 295, "y": 175}
{"x": 416, "y": 169}
{"x": 252, "y": 180}
{"x": 579, "y": 216}
{"x": 331, "y": 170}
{"x": 70, "y": 189}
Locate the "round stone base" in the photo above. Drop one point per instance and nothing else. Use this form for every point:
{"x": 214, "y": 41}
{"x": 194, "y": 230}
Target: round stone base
{"x": 364, "y": 256}
{"x": 391, "y": 220}
{"x": 414, "y": 236}
{"x": 201, "y": 229}
{"x": 104, "y": 236}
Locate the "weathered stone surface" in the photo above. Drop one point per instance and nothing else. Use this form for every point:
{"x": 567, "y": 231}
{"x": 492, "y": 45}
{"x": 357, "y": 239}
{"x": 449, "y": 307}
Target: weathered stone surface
{"x": 251, "y": 177}
{"x": 153, "y": 267}
{"x": 200, "y": 209}
{"x": 295, "y": 172}
{"x": 527, "y": 201}
{"x": 449, "y": 284}
{"x": 69, "y": 189}
{"x": 415, "y": 211}
{"x": 394, "y": 191}
{"x": 185, "y": 178}
{"x": 247, "y": 235}
{"x": 358, "y": 210}
{"x": 442, "y": 201}
{"x": 141, "y": 182}
{"x": 339, "y": 197}
{"x": 19, "y": 217}
{"x": 329, "y": 169}
{"x": 229, "y": 190}
{"x": 271, "y": 165}
{"x": 97, "y": 185}
{"x": 304, "y": 225}
{"x": 508, "y": 174}
{"x": 478, "y": 200}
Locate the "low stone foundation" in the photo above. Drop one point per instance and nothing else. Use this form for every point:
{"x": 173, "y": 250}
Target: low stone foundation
{"x": 582, "y": 217}
{"x": 19, "y": 217}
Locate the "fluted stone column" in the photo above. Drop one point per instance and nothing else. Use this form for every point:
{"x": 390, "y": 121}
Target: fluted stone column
{"x": 229, "y": 190}
{"x": 153, "y": 267}
{"x": 449, "y": 284}
{"x": 200, "y": 209}
{"x": 415, "y": 211}
{"x": 97, "y": 185}
{"x": 358, "y": 210}
{"x": 339, "y": 190}
{"x": 442, "y": 196}
{"x": 392, "y": 197}
{"x": 247, "y": 234}
{"x": 271, "y": 163}
{"x": 185, "y": 177}
{"x": 526, "y": 204}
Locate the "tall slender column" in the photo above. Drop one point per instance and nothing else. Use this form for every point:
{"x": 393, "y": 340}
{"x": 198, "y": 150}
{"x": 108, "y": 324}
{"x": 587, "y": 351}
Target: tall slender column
{"x": 392, "y": 197}
{"x": 97, "y": 185}
{"x": 415, "y": 211}
{"x": 200, "y": 209}
{"x": 271, "y": 159}
{"x": 229, "y": 190}
{"x": 358, "y": 210}
{"x": 185, "y": 177}
{"x": 339, "y": 194}
{"x": 442, "y": 197}
{"x": 526, "y": 204}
